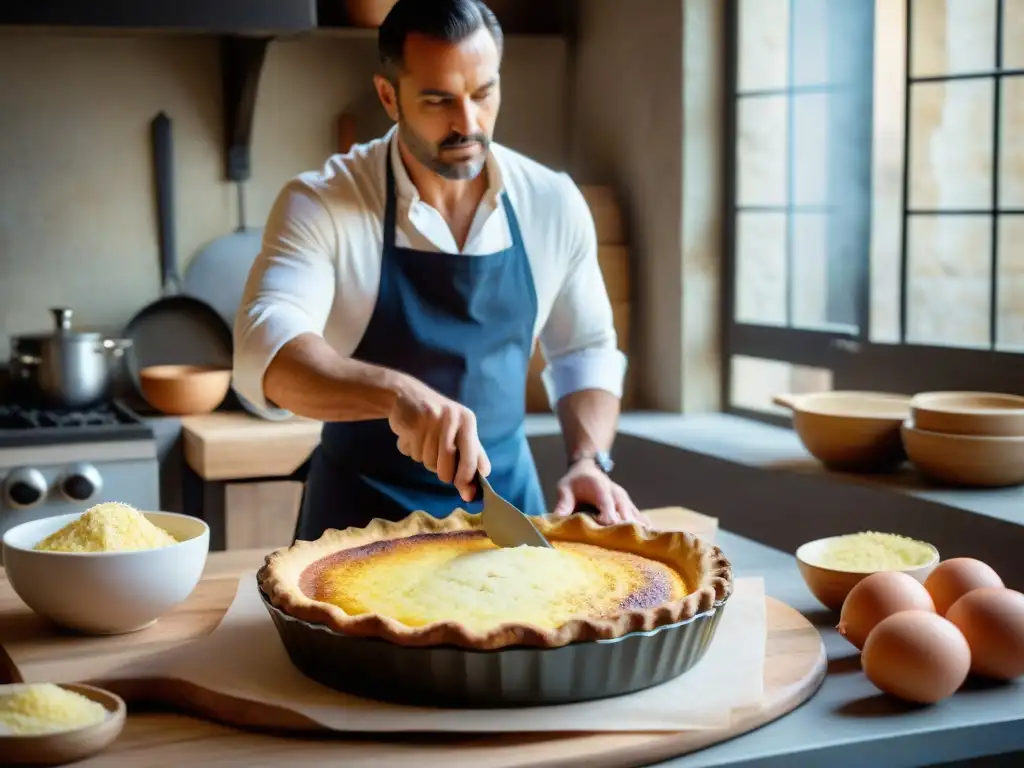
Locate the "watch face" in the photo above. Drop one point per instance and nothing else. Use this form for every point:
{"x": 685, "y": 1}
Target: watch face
{"x": 604, "y": 461}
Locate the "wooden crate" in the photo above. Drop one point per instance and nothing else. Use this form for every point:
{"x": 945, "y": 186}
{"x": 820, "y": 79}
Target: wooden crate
{"x": 613, "y": 257}
{"x": 608, "y": 219}
{"x": 614, "y": 261}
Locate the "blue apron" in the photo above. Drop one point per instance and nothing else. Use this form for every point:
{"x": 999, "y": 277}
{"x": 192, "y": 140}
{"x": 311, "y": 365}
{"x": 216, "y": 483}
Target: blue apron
{"x": 463, "y": 325}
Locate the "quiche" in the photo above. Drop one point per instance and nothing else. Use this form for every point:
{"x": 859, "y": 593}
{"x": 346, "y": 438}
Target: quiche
{"x": 440, "y": 581}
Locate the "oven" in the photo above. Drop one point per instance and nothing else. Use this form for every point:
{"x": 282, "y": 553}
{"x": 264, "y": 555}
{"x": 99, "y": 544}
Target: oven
{"x": 59, "y": 462}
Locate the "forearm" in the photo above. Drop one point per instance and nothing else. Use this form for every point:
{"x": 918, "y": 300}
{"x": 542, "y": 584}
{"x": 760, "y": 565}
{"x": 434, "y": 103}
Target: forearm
{"x": 309, "y": 378}
{"x": 589, "y": 419}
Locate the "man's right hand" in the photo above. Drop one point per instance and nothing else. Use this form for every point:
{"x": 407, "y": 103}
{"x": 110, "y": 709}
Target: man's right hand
{"x": 441, "y": 435}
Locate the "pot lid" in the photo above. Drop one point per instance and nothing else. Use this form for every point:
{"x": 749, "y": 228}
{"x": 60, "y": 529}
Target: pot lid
{"x": 62, "y": 317}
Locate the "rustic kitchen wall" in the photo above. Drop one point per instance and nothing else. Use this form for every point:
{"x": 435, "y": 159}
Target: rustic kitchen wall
{"x": 77, "y": 222}
{"x": 647, "y": 118}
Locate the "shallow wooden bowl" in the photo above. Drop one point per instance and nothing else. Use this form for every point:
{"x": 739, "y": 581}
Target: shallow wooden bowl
{"x": 972, "y": 460}
{"x": 184, "y": 390}
{"x": 68, "y": 746}
{"x": 831, "y": 586}
{"x": 989, "y": 414}
{"x": 850, "y": 431}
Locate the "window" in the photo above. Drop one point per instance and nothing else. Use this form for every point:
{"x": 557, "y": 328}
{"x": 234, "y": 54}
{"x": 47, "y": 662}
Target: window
{"x": 875, "y": 221}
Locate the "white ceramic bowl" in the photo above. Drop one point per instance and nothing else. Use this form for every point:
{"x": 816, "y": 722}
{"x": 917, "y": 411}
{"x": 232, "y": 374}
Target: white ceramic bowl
{"x": 106, "y": 593}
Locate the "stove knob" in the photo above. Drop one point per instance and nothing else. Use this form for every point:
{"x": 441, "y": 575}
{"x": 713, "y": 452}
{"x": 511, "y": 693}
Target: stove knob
{"x": 25, "y": 488}
{"x": 81, "y": 482}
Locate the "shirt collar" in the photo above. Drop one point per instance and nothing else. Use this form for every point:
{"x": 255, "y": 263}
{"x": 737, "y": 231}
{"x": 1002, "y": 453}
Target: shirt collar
{"x": 406, "y": 190}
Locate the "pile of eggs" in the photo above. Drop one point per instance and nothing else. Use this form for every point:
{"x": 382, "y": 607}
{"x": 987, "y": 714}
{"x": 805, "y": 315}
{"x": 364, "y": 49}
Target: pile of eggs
{"x": 919, "y": 642}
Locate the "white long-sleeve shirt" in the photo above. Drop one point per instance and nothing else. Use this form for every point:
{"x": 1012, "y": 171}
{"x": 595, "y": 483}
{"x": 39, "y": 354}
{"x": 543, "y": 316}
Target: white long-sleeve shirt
{"x": 320, "y": 264}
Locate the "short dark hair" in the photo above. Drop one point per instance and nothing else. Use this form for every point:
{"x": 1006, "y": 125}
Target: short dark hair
{"x": 448, "y": 20}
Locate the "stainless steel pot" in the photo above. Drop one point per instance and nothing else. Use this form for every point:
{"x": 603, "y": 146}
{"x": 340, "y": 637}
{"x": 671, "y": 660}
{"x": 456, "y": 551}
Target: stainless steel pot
{"x": 65, "y": 369}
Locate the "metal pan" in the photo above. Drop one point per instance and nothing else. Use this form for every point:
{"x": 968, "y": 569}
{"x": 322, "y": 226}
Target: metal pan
{"x": 175, "y": 329}
{"x": 218, "y": 273}
{"x": 518, "y": 676}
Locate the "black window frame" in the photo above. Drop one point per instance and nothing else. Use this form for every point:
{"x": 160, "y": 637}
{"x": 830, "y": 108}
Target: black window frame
{"x": 855, "y": 361}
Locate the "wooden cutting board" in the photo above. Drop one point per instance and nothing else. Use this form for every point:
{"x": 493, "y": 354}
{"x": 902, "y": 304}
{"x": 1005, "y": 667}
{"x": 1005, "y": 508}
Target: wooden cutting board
{"x": 795, "y": 666}
{"x": 236, "y": 446}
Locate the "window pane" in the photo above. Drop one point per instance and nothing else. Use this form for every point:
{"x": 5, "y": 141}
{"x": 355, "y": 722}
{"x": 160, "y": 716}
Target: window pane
{"x": 761, "y": 268}
{"x": 761, "y": 151}
{"x": 951, "y": 145}
{"x": 1011, "y": 157}
{"x": 887, "y": 170}
{"x": 763, "y": 44}
{"x": 811, "y": 42}
{"x": 754, "y": 382}
{"x": 948, "y": 280}
{"x": 952, "y": 36}
{"x": 1011, "y": 284}
{"x": 810, "y": 270}
{"x": 810, "y": 140}
{"x": 1013, "y": 34}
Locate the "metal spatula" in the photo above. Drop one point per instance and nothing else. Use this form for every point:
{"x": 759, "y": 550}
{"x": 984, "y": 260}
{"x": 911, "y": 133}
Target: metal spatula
{"x": 506, "y": 525}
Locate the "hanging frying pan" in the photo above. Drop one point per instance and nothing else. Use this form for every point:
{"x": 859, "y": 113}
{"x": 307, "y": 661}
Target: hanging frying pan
{"x": 175, "y": 329}
{"x": 218, "y": 273}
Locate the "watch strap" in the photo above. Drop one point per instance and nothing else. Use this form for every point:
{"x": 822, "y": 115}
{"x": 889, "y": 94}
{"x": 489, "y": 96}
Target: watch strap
{"x": 602, "y": 459}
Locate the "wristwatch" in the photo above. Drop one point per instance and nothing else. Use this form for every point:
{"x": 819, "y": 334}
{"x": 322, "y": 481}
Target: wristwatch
{"x": 603, "y": 460}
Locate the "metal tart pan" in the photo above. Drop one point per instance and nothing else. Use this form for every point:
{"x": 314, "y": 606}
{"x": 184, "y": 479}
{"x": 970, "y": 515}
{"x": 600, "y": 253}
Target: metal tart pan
{"x": 449, "y": 676}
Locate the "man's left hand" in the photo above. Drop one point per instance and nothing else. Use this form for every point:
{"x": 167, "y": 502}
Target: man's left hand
{"x": 585, "y": 483}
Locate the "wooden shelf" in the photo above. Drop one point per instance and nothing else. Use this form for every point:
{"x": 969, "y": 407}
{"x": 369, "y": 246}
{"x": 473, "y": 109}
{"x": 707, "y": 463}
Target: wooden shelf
{"x": 187, "y": 16}
{"x": 245, "y": 29}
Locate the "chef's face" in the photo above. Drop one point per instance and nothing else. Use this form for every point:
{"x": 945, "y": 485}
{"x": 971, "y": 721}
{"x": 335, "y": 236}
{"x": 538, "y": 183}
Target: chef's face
{"x": 446, "y": 102}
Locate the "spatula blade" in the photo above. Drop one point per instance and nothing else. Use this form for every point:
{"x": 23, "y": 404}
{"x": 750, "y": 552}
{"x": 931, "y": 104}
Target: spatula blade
{"x": 505, "y": 524}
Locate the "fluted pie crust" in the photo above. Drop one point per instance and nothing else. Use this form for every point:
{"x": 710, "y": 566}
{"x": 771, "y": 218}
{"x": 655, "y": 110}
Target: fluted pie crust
{"x": 293, "y": 576}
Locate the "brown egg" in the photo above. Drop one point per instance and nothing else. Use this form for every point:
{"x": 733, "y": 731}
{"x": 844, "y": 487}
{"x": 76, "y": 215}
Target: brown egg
{"x": 877, "y": 597}
{"x": 954, "y": 578}
{"x": 916, "y": 656}
{"x": 992, "y": 620}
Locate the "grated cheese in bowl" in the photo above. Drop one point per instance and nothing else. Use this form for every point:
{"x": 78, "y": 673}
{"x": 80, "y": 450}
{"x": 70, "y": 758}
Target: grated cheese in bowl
{"x": 871, "y": 551}
{"x": 107, "y": 527}
{"x": 40, "y": 708}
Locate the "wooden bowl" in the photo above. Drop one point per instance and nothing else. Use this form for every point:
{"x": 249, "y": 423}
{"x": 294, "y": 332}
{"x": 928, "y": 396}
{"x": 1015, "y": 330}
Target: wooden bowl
{"x": 68, "y": 746}
{"x": 368, "y": 14}
{"x": 972, "y": 460}
{"x": 850, "y": 431}
{"x": 831, "y": 586}
{"x": 183, "y": 390}
{"x": 969, "y": 413}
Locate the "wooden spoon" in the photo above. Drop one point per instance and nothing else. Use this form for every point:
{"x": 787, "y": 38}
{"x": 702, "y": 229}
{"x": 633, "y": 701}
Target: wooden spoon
{"x": 69, "y": 746}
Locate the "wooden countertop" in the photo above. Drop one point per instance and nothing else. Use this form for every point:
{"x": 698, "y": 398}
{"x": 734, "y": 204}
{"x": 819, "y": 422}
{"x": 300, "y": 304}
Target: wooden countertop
{"x": 160, "y": 738}
{"x": 169, "y": 739}
{"x": 240, "y": 446}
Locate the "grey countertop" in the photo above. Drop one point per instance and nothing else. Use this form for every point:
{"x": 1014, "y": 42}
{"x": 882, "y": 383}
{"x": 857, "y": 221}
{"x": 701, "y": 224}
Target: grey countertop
{"x": 848, "y": 722}
{"x": 758, "y": 480}
{"x": 769, "y": 447}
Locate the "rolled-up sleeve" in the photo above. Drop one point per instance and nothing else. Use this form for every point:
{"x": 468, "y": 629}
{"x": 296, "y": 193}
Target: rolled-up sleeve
{"x": 578, "y": 340}
{"x": 289, "y": 292}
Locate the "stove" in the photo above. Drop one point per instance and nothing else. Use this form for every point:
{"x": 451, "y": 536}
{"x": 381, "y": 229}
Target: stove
{"x": 30, "y": 426}
{"x": 61, "y": 462}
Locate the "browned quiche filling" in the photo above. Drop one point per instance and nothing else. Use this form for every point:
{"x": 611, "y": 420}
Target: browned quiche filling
{"x": 425, "y": 581}
{"x": 462, "y": 576}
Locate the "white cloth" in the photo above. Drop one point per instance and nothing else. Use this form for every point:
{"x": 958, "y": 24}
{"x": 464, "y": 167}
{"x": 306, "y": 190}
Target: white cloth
{"x": 319, "y": 267}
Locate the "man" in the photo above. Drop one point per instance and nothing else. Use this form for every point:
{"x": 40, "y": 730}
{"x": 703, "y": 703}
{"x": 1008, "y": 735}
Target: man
{"x": 399, "y": 292}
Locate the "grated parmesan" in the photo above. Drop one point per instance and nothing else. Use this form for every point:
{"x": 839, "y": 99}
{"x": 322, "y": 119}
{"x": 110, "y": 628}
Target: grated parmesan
{"x": 108, "y": 527}
{"x": 27, "y": 710}
{"x": 872, "y": 551}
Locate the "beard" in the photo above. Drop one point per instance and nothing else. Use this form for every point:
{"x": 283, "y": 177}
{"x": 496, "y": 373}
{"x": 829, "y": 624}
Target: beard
{"x": 431, "y": 155}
